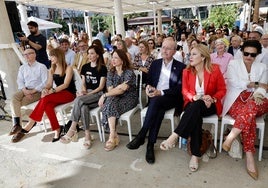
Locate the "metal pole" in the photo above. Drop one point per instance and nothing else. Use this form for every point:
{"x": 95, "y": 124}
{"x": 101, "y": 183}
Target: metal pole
{"x": 154, "y": 19}
{"x": 249, "y": 14}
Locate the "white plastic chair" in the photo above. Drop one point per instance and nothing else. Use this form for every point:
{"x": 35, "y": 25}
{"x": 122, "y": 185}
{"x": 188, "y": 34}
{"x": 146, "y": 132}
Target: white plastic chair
{"x": 213, "y": 120}
{"x": 128, "y": 115}
{"x": 95, "y": 115}
{"x": 169, "y": 114}
{"x": 228, "y": 120}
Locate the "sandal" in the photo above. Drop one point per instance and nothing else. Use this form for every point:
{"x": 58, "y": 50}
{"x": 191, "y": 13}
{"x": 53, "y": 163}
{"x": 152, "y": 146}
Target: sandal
{"x": 193, "y": 165}
{"x": 169, "y": 143}
{"x": 88, "y": 143}
{"x": 225, "y": 147}
{"x": 111, "y": 144}
{"x": 67, "y": 139}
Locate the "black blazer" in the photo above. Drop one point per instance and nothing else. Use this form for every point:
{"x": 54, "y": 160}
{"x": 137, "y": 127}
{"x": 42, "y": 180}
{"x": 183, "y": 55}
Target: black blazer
{"x": 175, "y": 81}
{"x": 231, "y": 51}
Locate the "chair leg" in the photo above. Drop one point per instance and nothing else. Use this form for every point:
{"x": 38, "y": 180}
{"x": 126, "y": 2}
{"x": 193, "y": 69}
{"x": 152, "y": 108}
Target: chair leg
{"x": 221, "y": 136}
{"x": 103, "y": 133}
{"x": 180, "y": 139}
{"x": 44, "y": 123}
{"x": 172, "y": 122}
{"x": 261, "y": 143}
{"x": 99, "y": 127}
{"x": 215, "y": 134}
{"x": 129, "y": 129}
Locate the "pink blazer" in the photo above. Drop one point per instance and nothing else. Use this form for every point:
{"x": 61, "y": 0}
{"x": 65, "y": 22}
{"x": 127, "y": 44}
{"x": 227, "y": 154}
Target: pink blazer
{"x": 214, "y": 85}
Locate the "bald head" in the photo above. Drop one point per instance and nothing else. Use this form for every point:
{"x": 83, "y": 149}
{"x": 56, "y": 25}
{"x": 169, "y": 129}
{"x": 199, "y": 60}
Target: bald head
{"x": 128, "y": 41}
{"x": 264, "y": 40}
{"x": 236, "y": 41}
{"x": 168, "y": 49}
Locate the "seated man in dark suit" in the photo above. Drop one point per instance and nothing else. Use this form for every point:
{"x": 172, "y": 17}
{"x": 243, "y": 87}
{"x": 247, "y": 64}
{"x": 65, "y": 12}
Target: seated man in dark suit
{"x": 235, "y": 45}
{"x": 163, "y": 88}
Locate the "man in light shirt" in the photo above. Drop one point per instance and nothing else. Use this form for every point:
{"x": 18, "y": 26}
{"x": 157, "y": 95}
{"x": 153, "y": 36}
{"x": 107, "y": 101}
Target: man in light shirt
{"x": 31, "y": 79}
{"x": 132, "y": 49}
{"x": 69, "y": 54}
{"x": 164, "y": 90}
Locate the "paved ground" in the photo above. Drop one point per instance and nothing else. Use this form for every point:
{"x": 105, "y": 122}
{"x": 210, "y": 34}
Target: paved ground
{"x": 36, "y": 162}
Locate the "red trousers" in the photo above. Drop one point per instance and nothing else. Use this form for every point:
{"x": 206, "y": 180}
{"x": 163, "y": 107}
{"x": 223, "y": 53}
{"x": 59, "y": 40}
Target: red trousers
{"x": 47, "y": 105}
{"x": 245, "y": 113}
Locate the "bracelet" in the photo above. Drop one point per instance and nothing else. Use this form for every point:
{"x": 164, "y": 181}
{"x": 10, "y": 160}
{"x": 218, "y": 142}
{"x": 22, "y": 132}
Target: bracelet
{"x": 104, "y": 96}
{"x": 53, "y": 90}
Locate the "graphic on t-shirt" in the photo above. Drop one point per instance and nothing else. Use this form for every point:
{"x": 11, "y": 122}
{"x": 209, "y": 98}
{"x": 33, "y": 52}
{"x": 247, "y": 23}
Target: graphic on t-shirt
{"x": 91, "y": 79}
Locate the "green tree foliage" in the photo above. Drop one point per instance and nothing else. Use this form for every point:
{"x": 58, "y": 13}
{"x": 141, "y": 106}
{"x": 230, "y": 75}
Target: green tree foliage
{"x": 222, "y": 14}
{"x": 135, "y": 15}
{"x": 100, "y": 21}
{"x": 65, "y": 27}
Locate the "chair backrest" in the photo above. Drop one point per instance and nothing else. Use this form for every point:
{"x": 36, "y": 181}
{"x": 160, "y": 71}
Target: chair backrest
{"x": 77, "y": 80}
{"x": 139, "y": 86}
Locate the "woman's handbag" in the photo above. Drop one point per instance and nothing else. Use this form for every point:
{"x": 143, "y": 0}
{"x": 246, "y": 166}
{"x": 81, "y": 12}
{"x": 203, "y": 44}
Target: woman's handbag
{"x": 207, "y": 144}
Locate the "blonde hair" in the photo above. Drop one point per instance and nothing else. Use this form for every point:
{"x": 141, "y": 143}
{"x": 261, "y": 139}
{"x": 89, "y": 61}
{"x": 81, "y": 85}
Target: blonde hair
{"x": 204, "y": 51}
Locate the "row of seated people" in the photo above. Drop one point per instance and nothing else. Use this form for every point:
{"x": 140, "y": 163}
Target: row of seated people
{"x": 201, "y": 85}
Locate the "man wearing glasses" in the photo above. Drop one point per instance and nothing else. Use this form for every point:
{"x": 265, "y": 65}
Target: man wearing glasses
{"x": 38, "y": 42}
{"x": 32, "y": 77}
{"x": 81, "y": 56}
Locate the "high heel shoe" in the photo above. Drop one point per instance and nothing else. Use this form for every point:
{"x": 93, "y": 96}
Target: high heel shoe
{"x": 112, "y": 143}
{"x": 225, "y": 147}
{"x": 254, "y": 175}
{"x": 193, "y": 165}
{"x": 67, "y": 139}
{"x": 56, "y": 139}
{"x": 169, "y": 143}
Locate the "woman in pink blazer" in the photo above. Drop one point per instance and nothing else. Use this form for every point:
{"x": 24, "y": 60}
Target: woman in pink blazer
{"x": 203, "y": 88}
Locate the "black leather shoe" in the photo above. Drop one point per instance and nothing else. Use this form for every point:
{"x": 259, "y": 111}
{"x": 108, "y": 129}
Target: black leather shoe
{"x": 15, "y": 129}
{"x": 135, "y": 143}
{"x": 150, "y": 158}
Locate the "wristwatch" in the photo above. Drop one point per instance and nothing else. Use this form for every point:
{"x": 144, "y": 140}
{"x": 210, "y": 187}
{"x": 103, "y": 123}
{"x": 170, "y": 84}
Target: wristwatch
{"x": 256, "y": 84}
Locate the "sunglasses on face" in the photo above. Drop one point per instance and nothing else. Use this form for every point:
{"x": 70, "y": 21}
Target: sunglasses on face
{"x": 251, "y": 54}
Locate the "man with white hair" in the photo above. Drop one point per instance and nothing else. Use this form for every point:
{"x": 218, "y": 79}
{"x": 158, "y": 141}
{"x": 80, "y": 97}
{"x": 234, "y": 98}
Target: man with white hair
{"x": 235, "y": 46}
{"x": 164, "y": 90}
{"x": 264, "y": 41}
{"x": 132, "y": 49}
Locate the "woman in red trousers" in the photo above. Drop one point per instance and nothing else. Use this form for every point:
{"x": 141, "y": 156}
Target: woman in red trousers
{"x": 63, "y": 92}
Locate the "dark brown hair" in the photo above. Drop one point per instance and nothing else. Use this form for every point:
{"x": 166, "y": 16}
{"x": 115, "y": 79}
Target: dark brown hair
{"x": 123, "y": 56}
{"x": 98, "y": 43}
{"x": 100, "y": 60}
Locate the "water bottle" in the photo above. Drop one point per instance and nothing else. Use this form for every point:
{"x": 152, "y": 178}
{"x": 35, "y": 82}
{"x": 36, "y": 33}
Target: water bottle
{"x": 184, "y": 144}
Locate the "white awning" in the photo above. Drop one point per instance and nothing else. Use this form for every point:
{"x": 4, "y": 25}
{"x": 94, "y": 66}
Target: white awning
{"x": 128, "y": 6}
{"x": 44, "y": 24}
